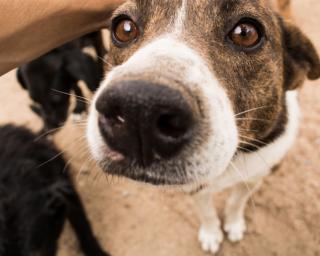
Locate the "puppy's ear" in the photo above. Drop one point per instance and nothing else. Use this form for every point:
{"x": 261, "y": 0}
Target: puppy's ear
{"x": 300, "y": 57}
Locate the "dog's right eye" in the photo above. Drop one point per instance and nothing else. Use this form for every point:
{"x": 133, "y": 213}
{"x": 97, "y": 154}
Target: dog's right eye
{"x": 124, "y": 32}
{"x": 246, "y": 35}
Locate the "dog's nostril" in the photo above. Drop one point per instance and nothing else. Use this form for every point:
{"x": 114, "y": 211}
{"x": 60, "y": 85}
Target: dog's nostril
{"x": 172, "y": 125}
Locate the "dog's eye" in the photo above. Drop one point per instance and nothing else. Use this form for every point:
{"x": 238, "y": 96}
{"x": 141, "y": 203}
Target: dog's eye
{"x": 246, "y": 34}
{"x": 124, "y": 31}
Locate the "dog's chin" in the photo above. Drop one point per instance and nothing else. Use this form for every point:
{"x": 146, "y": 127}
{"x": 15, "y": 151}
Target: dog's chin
{"x": 146, "y": 176}
{"x": 153, "y": 175}
{"x": 162, "y": 173}
{"x": 185, "y": 171}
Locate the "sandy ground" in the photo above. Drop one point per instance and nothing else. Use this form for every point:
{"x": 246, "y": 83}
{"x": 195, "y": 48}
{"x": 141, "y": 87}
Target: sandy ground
{"x": 130, "y": 219}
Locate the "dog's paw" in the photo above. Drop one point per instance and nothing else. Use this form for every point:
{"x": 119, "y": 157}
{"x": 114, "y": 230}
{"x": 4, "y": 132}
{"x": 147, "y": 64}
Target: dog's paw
{"x": 78, "y": 117}
{"x": 210, "y": 239}
{"x": 235, "y": 229}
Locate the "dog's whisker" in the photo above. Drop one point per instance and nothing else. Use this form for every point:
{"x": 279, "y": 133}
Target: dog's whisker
{"x": 106, "y": 62}
{"x": 91, "y": 166}
{"x": 253, "y": 119}
{"x": 257, "y": 153}
{"x": 245, "y": 149}
{"x": 254, "y": 152}
{"x": 83, "y": 153}
{"x": 250, "y": 191}
{"x": 52, "y": 131}
{"x": 249, "y": 144}
{"x": 84, "y": 99}
{"x": 80, "y": 98}
{"x": 263, "y": 159}
{"x": 61, "y": 153}
{"x": 252, "y": 139}
{"x": 95, "y": 178}
{"x": 247, "y": 130}
{"x": 256, "y": 147}
{"x": 86, "y": 165}
{"x": 250, "y": 110}
{"x": 103, "y": 59}
{"x": 51, "y": 159}
{"x": 80, "y": 123}
{"x": 66, "y": 166}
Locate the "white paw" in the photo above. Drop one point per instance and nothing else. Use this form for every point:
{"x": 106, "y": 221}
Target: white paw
{"x": 78, "y": 117}
{"x": 210, "y": 239}
{"x": 235, "y": 229}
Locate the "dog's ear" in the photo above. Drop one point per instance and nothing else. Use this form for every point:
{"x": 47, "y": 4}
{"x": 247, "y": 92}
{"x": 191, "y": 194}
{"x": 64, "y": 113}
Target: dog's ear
{"x": 300, "y": 57}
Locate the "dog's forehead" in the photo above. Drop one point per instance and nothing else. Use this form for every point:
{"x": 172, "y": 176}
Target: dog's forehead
{"x": 200, "y": 8}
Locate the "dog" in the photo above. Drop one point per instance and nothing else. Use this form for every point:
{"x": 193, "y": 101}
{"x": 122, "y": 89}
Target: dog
{"x": 52, "y": 77}
{"x": 201, "y": 95}
{"x": 37, "y": 197}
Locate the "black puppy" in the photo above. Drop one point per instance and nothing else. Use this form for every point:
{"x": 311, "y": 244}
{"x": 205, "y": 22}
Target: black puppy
{"x": 52, "y": 77}
{"x": 36, "y": 197}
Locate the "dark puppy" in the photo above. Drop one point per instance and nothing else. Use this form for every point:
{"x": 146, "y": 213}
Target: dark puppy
{"x": 51, "y": 78}
{"x": 36, "y": 197}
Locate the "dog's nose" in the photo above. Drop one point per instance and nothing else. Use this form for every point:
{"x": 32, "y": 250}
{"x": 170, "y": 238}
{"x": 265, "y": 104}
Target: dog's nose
{"x": 145, "y": 122}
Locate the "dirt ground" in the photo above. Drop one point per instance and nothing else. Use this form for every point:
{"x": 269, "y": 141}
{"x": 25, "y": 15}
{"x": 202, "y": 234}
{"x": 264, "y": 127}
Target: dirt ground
{"x": 131, "y": 219}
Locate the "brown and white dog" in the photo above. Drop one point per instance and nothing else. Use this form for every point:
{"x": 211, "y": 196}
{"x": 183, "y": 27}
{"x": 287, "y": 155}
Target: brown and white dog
{"x": 201, "y": 94}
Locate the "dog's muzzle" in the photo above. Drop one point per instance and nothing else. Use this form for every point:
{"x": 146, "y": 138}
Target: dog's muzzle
{"x": 145, "y": 122}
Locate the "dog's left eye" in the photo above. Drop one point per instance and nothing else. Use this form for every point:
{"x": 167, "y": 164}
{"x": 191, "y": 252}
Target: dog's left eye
{"x": 124, "y": 31}
{"x": 246, "y": 34}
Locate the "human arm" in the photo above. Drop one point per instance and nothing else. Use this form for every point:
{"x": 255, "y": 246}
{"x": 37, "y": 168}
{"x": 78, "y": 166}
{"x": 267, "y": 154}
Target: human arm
{"x": 31, "y": 28}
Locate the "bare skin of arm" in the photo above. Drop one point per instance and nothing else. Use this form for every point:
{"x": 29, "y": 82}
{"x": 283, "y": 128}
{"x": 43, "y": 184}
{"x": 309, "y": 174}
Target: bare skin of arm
{"x": 31, "y": 28}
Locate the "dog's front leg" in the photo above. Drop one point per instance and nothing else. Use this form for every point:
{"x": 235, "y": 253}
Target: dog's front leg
{"x": 235, "y": 224}
{"x": 210, "y": 234}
